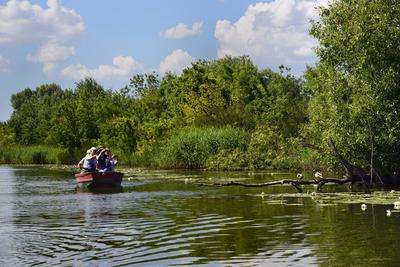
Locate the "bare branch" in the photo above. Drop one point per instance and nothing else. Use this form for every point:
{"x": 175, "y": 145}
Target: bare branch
{"x": 295, "y": 183}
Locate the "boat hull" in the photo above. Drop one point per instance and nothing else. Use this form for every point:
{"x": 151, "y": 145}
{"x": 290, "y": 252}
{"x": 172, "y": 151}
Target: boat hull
{"x": 99, "y": 179}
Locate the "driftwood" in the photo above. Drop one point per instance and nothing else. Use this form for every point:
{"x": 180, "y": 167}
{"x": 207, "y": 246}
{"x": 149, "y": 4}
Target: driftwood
{"x": 295, "y": 183}
{"x": 353, "y": 175}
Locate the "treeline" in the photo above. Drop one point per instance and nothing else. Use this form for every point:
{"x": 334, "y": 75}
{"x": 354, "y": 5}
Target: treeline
{"x": 228, "y": 114}
{"x": 223, "y": 114}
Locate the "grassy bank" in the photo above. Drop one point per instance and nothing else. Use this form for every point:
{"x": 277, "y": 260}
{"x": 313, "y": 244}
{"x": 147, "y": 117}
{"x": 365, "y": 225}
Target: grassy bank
{"x": 38, "y": 154}
{"x": 217, "y": 148}
{"x": 226, "y": 148}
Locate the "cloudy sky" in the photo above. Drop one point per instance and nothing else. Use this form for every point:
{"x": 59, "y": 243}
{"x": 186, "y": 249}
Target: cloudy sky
{"x": 65, "y": 41}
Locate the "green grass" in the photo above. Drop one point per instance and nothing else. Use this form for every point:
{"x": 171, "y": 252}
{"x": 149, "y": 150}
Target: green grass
{"x": 37, "y": 154}
{"x": 191, "y": 148}
{"x": 219, "y": 148}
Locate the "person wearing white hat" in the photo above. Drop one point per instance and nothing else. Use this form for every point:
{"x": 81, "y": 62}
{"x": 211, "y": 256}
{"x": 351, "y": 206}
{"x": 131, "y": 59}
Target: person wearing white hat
{"x": 89, "y": 162}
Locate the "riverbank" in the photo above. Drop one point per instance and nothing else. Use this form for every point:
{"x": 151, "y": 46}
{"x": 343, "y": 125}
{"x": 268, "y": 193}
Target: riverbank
{"x": 38, "y": 154}
{"x": 209, "y": 148}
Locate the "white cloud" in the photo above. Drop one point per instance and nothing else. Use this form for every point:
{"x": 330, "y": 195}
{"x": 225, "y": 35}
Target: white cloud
{"x": 122, "y": 68}
{"x": 24, "y": 22}
{"x": 181, "y": 31}
{"x": 4, "y": 64}
{"x": 21, "y": 22}
{"x": 272, "y": 33}
{"x": 50, "y": 53}
{"x": 176, "y": 62}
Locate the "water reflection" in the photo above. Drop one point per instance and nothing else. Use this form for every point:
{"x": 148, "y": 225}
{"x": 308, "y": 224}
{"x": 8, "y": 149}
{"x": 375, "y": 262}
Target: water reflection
{"x": 7, "y": 198}
{"x": 159, "y": 220}
{"x": 99, "y": 190}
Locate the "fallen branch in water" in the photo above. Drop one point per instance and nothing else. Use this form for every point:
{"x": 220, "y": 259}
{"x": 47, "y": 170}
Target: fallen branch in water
{"x": 354, "y": 174}
{"x": 294, "y": 183}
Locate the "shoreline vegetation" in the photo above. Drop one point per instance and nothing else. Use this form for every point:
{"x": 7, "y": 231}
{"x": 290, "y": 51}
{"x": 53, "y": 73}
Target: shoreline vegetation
{"x": 228, "y": 114}
{"x": 212, "y": 148}
{"x": 223, "y": 114}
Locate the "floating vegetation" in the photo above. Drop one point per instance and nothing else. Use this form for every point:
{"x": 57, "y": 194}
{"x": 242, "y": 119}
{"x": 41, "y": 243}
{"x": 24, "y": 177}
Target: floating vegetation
{"x": 329, "y": 199}
{"x": 275, "y": 202}
{"x": 326, "y": 204}
{"x": 389, "y": 212}
{"x": 293, "y": 204}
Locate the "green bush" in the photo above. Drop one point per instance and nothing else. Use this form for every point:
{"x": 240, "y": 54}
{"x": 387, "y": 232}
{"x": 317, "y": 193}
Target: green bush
{"x": 228, "y": 160}
{"x": 191, "y": 148}
{"x": 269, "y": 149}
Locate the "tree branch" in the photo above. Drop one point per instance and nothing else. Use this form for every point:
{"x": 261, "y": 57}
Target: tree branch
{"x": 294, "y": 183}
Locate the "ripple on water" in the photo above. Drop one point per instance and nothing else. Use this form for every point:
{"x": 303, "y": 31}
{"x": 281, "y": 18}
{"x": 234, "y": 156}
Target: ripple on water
{"x": 166, "y": 222}
{"x": 100, "y": 232}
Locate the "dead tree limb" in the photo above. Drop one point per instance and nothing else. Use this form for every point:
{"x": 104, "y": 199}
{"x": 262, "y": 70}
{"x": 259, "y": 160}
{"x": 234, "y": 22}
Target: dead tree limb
{"x": 353, "y": 174}
{"x": 294, "y": 183}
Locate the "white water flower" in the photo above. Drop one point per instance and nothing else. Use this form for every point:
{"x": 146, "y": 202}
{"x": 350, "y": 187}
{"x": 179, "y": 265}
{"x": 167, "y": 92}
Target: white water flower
{"x": 363, "y": 207}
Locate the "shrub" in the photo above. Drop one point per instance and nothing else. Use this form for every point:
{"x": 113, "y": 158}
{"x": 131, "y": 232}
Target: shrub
{"x": 191, "y": 148}
{"x": 228, "y": 160}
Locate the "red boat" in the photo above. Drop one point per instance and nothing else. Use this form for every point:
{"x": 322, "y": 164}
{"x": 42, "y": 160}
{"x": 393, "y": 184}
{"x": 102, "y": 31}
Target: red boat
{"x": 93, "y": 179}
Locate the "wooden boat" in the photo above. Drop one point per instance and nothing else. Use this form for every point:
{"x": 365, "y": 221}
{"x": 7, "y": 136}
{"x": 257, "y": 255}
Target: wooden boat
{"x": 96, "y": 179}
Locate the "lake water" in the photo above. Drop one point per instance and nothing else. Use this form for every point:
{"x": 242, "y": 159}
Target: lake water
{"x": 162, "y": 219}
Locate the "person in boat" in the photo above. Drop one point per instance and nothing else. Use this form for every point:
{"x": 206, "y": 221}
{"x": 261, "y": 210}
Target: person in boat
{"x": 110, "y": 162}
{"x": 115, "y": 160}
{"x": 101, "y": 158}
{"x": 89, "y": 162}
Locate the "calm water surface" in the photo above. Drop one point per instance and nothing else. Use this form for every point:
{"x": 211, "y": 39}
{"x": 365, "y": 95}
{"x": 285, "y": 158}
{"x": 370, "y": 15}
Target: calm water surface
{"x": 162, "y": 219}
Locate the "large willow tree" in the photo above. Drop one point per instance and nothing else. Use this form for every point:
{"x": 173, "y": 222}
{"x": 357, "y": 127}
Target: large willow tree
{"x": 356, "y": 83}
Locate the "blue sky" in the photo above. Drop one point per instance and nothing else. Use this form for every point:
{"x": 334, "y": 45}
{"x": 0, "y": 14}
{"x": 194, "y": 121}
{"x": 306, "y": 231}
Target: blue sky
{"x": 65, "y": 41}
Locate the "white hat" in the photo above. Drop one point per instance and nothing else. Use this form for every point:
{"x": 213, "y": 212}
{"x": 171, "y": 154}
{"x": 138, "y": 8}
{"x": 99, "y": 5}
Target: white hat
{"x": 92, "y": 148}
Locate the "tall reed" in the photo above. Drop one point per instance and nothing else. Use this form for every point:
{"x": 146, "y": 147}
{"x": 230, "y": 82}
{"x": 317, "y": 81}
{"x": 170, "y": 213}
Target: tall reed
{"x": 37, "y": 154}
{"x": 192, "y": 147}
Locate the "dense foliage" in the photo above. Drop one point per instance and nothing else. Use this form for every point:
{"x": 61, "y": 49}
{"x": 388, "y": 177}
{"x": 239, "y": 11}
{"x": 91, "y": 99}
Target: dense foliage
{"x": 356, "y": 81}
{"x": 227, "y": 113}
{"x": 214, "y": 110}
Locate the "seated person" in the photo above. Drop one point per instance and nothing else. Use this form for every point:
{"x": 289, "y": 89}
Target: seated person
{"x": 101, "y": 158}
{"x": 111, "y": 162}
{"x": 89, "y": 162}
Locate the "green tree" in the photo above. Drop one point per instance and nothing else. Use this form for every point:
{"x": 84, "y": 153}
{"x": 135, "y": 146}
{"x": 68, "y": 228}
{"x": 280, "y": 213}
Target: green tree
{"x": 33, "y": 110}
{"x": 282, "y": 102}
{"x": 209, "y": 107}
{"x": 65, "y": 126}
{"x": 120, "y": 133}
{"x": 87, "y": 94}
{"x": 355, "y": 85}
{"x": 6, "y": 134}
{"x": 140, "y": 83}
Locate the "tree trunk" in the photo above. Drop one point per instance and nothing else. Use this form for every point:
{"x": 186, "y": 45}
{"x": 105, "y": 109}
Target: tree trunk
{"x": 353, "y": 174}
{"x": 358, "y": 174}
